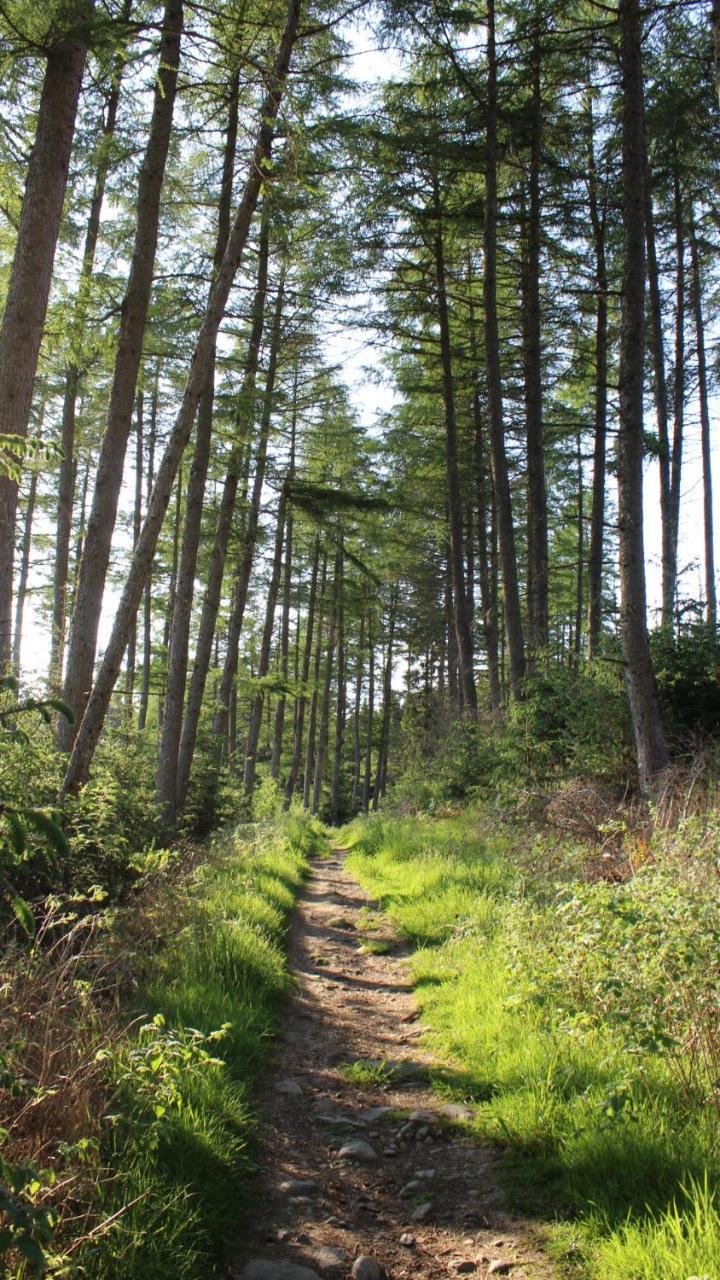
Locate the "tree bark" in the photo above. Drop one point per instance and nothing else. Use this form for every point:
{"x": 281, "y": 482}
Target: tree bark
{"x": 178, "y": 654}
{"x": 147, "y": 601}
{"x": 597, "y": 517}
{"x": 488, "y": 598}
{"x": 31, "y": 272}
{"x": 324, "y": 726}
{"x": 357, "y": 741}
{"x": 312, "y": 720}
{"x": 370, "y": 716}
{"x": 341, "y": 692}
{"x": 708, "y": 523}
{"x": 286, "y": 595}
{"x": 669, "y": 571}
{"x": 301, "y": 700}
{"x": 454, "y": 496}
{"x": 73, "y": 378}
{"x": 651, "y": 750}
{"x": 102, "y": 692}
{"x": 537, "y": 521}
{"x": 383, "y": 746}
{"x": 679, "y": 370}
{"x": 137, "y": 519}
{"x": 211, "y": 602}
{"x": 24, "y": 573}
{"x": 128, "y": 354}
{"x": 243, "y": 581}
{"x": 254, "y": 725}
{"x": 501, "y": 479}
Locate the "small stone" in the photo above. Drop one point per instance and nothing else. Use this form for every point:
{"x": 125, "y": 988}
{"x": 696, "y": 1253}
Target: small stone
{"x": 366, "y": 1268}
{"x": 407, "y": 1240}
{"x": 371, "y": 1114}
{"x": 258, "y": 1270}
{"x": 358, "y": 1150}
{"x": 298, "y": 1187}
{"x": 422, "y": 1116}
{"x": 390, "y": 1150}
{"x": 428, "y": 1174}
{"x": 500, "y": 1267}
{"x": 410, "y": 1189}
{"x": 465, "y": 1267}
{"x": 422, "y": 1133}
{"x": 455, "y": 1111}
{"x": 422, "y": 1211}
{"x": 330, "y": 1260}
{"x": 290, "y": 1088}
{"x": 337, "y": 1121}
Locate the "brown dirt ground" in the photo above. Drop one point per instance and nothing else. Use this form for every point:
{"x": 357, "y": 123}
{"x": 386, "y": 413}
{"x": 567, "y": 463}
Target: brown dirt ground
{"x": 350, "y": 1004}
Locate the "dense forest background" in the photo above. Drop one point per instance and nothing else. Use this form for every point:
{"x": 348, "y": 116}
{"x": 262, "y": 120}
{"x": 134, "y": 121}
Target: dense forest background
{"x": 348, "y": 355}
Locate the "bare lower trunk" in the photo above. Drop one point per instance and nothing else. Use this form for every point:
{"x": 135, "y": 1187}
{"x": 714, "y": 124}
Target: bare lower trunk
{"x": 324, "y": 720}
{"x": 501, "y": 479}
{"x": 24, "y": 574}
{"x": 287, "y": 591}
{"x": 651, "y": 750}
{"x": 142, "y": 561}
{"x": 341, "y": 694}
{"x": 370, "y": 717}
{"x": 239, "y": 462}
{"x": 133, "y": 318}
{"x": 147, "y": 601}
{"x": 661, "y": 402}
{"x": 381, "y": 772}
{"x": 679, "y": 370}
{"x": 73, "y": 378}
{"x": 580, "y": 572}
{"x": 31, "y": 273}
{"x": 708, "y": 529}
{"x": 137, "y": 519}
{"x": 253, "y": 736}
{"x": 237, "y": 613}
{"x": 454, "y": 497}
{"x": 312, "y": 719}
{"x": 597, "y": 518}
{"x": 301, "y": 700}
{"x": 182, "y": 614}
{"x": 357, "y": 741}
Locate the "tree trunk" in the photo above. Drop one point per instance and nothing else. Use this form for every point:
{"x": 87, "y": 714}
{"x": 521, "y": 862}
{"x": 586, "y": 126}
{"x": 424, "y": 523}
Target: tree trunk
{"x": 137, "y": 519}
{"x": 679, "y": 371}
{"x": 454, "y": 496}
{"x": 237, "y": 613}
{"x": 709, "y": 535}
{"x": 31, "y": 273}
{"x": 651, "y": 750}
{"x": 580, "y": 574}
{"x": 357, "y": 742}
{"x": 381, "y": 773}
{"x": 147, "y": 602}
{"x": 324, "y": 726}
{"x": 597, "y": 518}
{"x": 301, "y": 700}
{"x": 287, "y": 592}
{"x": 370, "y": 716}
{"x": 73, "y": 377}
{"x": 488, "y": 599}
{"x": 341, "y": 694}
{"x": 312, "y": 720}
{"x": 501, "y": 479}
{"x": 182, "y": 613}
{"x": 24, "y": 573}
{"x": 211, "y": 602}
{"x": 128, "y": 355}
{"x": 537, "y": 522}
{"x": 669, "y": 568}
{"x": 170, "y": 605}
{"x": 102, "y": 692}
{"x": 253, "y": 736}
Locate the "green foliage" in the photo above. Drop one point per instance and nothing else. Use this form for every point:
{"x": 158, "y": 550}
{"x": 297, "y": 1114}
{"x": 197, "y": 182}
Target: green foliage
{"x": 687, "y": 668}
{"x": 582, "y": 1020}
{"x": 181, "y": 1143}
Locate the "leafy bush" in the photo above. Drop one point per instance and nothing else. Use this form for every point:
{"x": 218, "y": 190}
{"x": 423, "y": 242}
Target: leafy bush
{"x": 687, "y": 667}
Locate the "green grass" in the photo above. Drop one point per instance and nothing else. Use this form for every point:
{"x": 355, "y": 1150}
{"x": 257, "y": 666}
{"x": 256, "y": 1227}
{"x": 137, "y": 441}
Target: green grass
{"x": 182, "y": 1149}
{"x": 550, "y": 1011}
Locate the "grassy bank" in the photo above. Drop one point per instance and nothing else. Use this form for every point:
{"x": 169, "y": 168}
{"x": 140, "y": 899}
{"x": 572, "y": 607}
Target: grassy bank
{"x": 581, "y": 1018}
{"x": 155, "y": 1142}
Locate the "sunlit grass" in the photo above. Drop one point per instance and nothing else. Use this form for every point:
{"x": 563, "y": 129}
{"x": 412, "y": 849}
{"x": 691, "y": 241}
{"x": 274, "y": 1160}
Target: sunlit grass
{"x": 604, "y": 1137}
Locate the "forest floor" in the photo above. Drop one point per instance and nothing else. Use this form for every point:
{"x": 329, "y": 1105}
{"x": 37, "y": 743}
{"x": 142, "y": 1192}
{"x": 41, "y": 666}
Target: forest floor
{"x": 362, "y": 1166}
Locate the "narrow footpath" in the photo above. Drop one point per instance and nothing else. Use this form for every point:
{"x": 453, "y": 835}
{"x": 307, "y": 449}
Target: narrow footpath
{"x": 364, "y": 1171}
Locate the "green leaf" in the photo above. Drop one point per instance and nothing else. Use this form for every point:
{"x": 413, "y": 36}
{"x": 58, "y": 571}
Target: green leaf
{"x": 23, "y": 914}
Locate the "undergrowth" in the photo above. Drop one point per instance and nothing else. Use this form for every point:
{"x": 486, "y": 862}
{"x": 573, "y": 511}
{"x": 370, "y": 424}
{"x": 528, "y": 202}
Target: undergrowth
{"x": 134, "y": 1039}
{"x": 580, "y": 1015}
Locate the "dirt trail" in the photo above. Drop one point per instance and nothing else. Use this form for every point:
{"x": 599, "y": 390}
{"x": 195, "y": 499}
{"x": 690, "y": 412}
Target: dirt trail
{"x": 429, "y": 1204}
